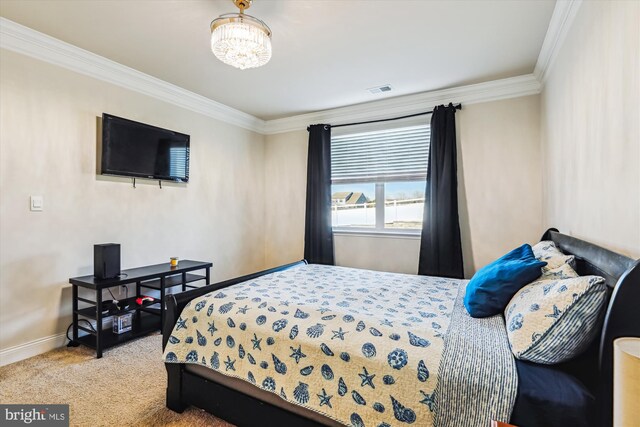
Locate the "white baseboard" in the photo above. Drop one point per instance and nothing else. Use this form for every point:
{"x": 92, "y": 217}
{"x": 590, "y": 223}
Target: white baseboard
{"x": 32, "y": 348}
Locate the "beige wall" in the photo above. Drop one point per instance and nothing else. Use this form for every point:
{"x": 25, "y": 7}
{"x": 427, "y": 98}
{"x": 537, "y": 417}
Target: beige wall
{"x": 501, "y": 189}
{"x": 48, "y": 148}
{"x": 285, "y": 192}
{"x": 500, "y": 192}
{"x": 383, "y": 253}
{"x": 591, "y": 128}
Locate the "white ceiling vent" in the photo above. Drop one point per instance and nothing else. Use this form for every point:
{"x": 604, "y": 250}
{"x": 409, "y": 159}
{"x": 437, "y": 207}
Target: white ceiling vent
{"x": 380, "y": 89}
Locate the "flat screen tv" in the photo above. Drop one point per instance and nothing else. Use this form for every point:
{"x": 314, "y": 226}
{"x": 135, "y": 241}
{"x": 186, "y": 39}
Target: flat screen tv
{"x": 142, "y": 151}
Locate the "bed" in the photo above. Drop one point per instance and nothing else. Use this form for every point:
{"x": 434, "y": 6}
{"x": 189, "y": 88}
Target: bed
{"x": 315, "y": 345}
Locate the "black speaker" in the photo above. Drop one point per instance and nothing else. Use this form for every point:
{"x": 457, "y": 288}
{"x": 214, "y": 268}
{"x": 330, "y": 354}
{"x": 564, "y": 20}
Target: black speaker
{"x": 106, "y": 260}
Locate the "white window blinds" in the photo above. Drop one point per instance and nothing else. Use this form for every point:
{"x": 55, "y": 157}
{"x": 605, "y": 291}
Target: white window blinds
{"x": 399, "y": 154}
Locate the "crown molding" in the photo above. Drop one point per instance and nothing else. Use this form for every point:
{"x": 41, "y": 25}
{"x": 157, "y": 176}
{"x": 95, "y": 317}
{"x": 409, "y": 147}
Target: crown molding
{"x": 563, "y": 15}
{"x": 410, "y": 104}
{"x": 26, "y": 41}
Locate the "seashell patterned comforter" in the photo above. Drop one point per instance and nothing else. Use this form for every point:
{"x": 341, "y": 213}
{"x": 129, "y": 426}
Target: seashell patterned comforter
{"x": 364, "y": 348}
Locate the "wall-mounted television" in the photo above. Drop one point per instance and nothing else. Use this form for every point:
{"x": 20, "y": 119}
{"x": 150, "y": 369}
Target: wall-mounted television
{"x": 139, "y": 150}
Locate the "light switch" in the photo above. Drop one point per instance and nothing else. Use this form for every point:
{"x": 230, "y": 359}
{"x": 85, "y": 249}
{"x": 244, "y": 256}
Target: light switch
{"x": 37, "y": 203}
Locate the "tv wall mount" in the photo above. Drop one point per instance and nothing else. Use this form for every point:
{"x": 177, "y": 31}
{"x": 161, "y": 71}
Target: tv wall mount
{"x": 133, "y": 179}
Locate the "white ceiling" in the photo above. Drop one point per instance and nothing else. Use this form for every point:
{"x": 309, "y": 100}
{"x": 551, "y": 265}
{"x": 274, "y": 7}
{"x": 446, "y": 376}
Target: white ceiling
{"x": 326, "y": 53}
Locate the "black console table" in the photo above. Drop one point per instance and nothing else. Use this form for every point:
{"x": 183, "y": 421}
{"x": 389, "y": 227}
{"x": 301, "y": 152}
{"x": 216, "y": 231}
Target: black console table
{"x": 147, "y": 317}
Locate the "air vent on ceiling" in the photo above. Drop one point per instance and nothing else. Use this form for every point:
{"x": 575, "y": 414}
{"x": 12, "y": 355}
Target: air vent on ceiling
{"x": 380, "y": 89}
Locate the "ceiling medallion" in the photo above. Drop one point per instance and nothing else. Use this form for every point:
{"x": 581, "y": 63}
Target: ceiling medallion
{"x": 241, "y": 40}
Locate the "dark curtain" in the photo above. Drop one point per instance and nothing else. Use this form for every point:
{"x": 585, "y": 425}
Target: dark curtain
{"x": 318, "y": 235}
{"x": 440, "y": 246}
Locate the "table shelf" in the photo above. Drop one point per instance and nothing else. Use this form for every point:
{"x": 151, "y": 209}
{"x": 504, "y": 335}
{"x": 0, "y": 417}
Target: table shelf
{"x": 90, "y": 312}
{"x": 148, "y": 317}
{"x": 171, "y": 281}
{"x": 141, "y": 326}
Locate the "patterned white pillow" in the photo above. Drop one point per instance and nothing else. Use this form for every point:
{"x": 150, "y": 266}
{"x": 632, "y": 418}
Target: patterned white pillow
{"x": 547, "y": 251}
{"x": 563, "y": 271}
{"x": 555, "y": 318}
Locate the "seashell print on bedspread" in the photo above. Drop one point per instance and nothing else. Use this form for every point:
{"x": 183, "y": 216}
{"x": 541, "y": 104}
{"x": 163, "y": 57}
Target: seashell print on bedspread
{"x": 358, "y": 346}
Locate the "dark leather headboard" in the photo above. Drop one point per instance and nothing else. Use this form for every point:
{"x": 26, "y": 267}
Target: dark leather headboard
{"x": 622, "y": 274}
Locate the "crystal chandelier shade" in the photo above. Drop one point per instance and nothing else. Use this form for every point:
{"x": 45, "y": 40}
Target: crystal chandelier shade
{"x": 240, "y": 40}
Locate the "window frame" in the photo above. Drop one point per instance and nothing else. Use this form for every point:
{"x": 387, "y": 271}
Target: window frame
{"x": 379, "y": 229}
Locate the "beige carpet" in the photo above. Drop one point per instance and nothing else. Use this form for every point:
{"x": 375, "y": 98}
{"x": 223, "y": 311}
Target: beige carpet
{"x": 124, "y": 388}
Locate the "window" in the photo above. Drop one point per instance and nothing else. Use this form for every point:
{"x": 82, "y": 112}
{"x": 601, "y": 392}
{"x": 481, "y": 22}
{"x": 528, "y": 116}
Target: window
{"x": 378, "y": 179}
{"x": 353, "y": 205}
{"x": 403, "y": 205}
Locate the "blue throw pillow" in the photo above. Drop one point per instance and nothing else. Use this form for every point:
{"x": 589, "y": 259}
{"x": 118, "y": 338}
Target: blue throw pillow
{"x": 493, "y": 286}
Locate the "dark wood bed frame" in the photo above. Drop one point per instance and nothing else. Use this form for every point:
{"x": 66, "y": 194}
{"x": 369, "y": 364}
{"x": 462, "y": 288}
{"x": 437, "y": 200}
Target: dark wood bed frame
{"x": 594, "y": 367}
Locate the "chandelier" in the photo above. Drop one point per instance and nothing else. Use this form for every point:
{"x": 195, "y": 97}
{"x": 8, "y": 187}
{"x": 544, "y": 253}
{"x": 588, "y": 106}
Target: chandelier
{"x": 240, "y": 40}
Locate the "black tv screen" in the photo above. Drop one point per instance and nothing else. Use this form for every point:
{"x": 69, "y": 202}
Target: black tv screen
{"x": 138, "y": 150}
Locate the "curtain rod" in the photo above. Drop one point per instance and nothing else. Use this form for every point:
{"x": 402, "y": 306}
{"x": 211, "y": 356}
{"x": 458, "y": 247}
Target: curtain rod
{"x": 457, "y": 107}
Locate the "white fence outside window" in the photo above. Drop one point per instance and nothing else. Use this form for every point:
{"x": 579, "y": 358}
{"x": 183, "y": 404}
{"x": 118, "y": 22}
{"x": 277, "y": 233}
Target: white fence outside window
{"x": 406, "y": 214}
